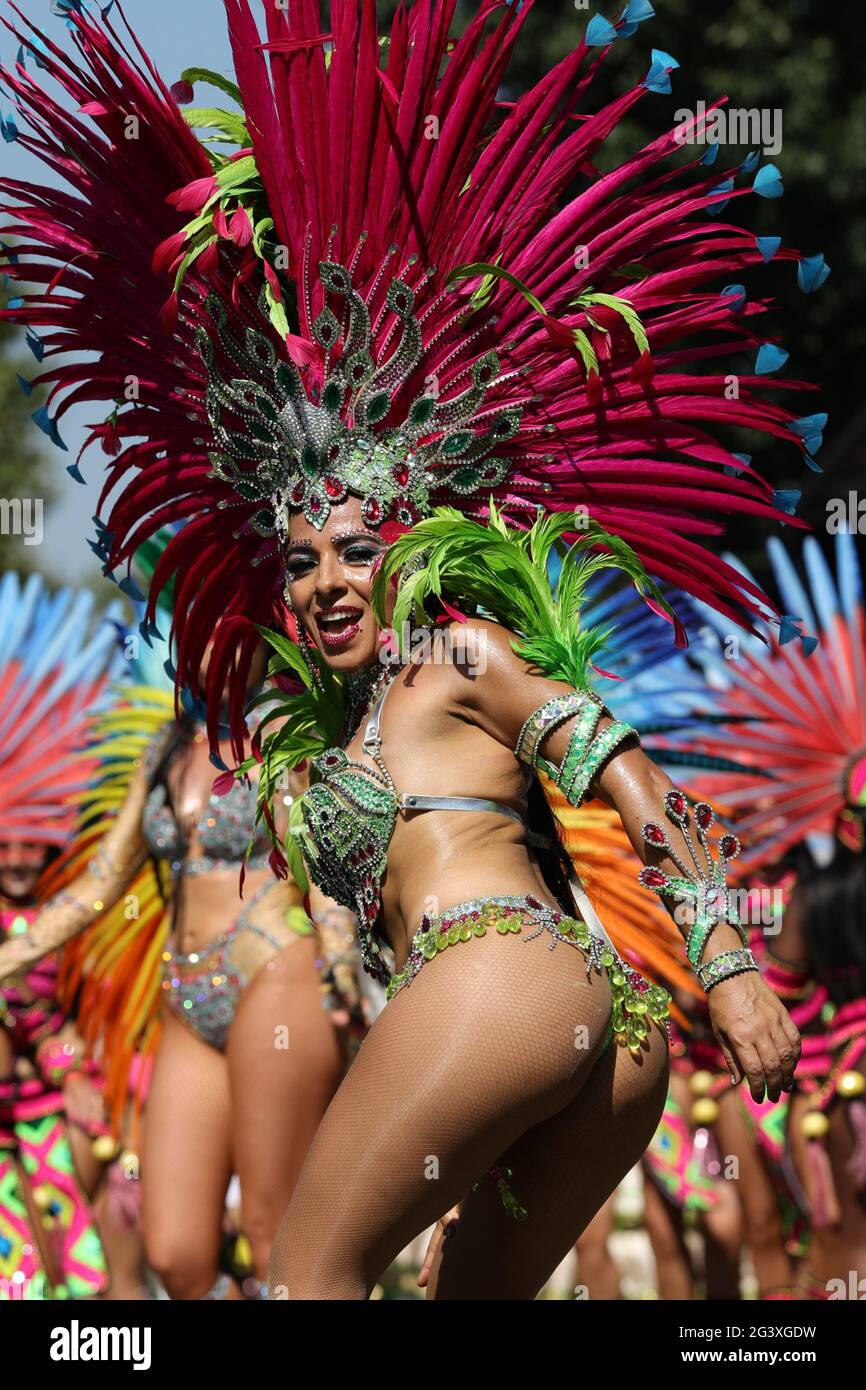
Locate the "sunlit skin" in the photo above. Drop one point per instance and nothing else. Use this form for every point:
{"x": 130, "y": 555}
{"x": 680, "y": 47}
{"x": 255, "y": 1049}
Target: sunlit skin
{"x": 251, "y": 1110}
{"x": 447, "y": 730}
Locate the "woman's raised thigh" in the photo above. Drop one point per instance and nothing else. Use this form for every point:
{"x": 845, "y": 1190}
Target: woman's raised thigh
{"x": 493, "y": 1036}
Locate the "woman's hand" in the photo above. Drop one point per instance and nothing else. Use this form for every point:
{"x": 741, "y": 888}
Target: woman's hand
{"x": 337, "y": 928}
{"x": 445, "y": 1226}
{"x": 756, "y": 1034}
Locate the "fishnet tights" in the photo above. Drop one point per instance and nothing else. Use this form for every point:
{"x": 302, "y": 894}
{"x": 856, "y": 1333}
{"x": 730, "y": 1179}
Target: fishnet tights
{"x": 492, "y": 1054}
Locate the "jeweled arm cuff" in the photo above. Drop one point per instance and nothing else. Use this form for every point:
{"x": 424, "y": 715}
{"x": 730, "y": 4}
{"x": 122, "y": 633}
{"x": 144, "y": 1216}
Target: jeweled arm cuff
{"x": 725, "y": 967}
{"x": 588, "y": 749}
{"x": 703, "y": 884}
{"x": 545, "y": 719}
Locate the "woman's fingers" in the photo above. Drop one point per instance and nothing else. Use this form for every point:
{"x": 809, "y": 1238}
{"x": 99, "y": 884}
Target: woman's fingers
{"x": 753, "y": 1067}
{"x": 444, "y": 1227}
{"x": 772, "y": 1064}
{"x": 789, "y": 1053}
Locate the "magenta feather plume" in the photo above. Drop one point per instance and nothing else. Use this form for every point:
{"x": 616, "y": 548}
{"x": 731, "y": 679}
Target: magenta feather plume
{"x": 361, "y": 148}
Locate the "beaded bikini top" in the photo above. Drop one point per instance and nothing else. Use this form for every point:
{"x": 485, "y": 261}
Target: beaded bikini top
{"x": 349, "y": 814}
{"x": 224, "y": 828}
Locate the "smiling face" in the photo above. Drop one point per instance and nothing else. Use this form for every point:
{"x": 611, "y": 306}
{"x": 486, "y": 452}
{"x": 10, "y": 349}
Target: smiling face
{"x": 330, "y": 575}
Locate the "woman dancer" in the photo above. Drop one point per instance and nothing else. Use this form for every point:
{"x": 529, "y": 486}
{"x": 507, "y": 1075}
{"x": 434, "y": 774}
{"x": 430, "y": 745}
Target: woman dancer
{"x": 51, "y": 1113}
{"x": 380, "y": 307}
{"x": 806, "y": 697}
{"x": 248, "y": 1058}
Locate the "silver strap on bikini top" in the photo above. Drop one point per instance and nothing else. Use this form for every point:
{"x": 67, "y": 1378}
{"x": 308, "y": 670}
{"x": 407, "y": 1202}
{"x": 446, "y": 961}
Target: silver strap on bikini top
{"x": 413, "y": 801}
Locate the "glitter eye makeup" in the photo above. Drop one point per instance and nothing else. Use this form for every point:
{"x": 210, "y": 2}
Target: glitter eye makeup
{"x": 351, "y": 530}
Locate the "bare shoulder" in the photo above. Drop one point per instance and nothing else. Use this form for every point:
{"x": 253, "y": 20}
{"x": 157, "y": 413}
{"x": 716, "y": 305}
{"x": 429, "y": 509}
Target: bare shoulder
{"x": 451, "y": 662}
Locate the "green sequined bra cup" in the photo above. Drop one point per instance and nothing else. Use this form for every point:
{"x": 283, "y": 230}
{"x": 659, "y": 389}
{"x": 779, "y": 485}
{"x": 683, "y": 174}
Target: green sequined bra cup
{"x": 349, "y": 818}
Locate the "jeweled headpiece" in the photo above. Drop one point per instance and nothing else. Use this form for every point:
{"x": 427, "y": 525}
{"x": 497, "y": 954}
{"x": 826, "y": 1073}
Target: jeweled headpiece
{"x": 302, "y": 440}
{"x": 486, "y": 313}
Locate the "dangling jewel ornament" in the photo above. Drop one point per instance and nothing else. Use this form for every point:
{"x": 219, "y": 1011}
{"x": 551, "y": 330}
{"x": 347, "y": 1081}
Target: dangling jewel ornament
{"x": 703, "y": 885}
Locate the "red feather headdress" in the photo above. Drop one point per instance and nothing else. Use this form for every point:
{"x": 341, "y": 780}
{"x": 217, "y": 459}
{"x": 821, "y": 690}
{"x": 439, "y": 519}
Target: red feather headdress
{"x": 595, "y": 328}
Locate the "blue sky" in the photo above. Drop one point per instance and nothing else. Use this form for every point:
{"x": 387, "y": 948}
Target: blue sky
{"x": 177, "y": 34}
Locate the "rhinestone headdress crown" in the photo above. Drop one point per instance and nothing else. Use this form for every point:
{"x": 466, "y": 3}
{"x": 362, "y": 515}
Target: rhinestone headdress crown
{"x": 304, "y": 445}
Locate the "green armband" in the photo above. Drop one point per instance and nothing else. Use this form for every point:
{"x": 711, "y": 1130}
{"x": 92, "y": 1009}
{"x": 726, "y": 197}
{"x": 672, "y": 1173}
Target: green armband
{"x": 587, "y": 748}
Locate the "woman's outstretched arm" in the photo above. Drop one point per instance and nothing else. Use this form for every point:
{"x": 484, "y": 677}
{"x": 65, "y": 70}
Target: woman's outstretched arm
{"x": 118, "y": 858}
{"x": 753, "y": 1029}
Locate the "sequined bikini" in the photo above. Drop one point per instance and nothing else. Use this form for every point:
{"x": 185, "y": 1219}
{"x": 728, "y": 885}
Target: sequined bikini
{"x": 203, "y": 987}
{"x": 349, "y": 815}
{"x": 223, "y": 832}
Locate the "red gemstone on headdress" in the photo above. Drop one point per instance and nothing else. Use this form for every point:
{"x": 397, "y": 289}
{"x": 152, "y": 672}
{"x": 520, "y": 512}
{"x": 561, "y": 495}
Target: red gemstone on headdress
{"x": 315, "y": 504}
{"x": 372, "y": 912}
{"x": 372, "y": 510}
{"x": 400, "y": 474}
{"x": 333, "y": 487}
{"x": 704, "y": 815}
{"x": 297, "y": 494}
{"x": 654, "y": 835}
{"x": 729, "y": 846}
{"x": 652, "y": 878}
{"x": 676, "y": 804}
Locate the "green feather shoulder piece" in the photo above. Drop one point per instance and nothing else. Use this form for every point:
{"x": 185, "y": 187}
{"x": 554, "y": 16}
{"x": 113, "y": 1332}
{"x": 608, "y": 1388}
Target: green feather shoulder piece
{"x": 302, "y": 726}
{"x": 501, "y": 572}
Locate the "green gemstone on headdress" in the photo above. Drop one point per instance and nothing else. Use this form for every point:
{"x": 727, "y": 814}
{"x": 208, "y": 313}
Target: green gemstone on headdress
{"x": 249, "y": 491}
{"x": 333, "y": 395}
{"x": 287, "y": 379}
{"x": 260, "y": 429}
{"x": 422, "y": 410}
{"x": 377, "y": 406}
{"x": 465, "y": 479}
{"x": 458, "y": 443}
{"x": 326, "y": 329}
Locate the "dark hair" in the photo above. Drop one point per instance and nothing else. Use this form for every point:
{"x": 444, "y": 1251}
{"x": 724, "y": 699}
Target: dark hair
{"x": 178, "y": 742}
{"x": 552, "y": 856}
{"x": 833, "y": 906}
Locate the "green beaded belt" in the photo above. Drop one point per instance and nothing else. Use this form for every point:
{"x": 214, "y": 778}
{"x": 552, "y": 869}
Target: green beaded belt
{"x": 635, "y": 1002}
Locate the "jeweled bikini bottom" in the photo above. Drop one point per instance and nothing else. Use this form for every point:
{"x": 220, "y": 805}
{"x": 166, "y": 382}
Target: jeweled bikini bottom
{"x": 636, "y": 1003}
{"x": 204, "y": 987}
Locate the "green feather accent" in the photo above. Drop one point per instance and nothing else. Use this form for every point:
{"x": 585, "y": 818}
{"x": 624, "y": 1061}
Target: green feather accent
{"x": 504, "y": 572}
{"x": 214, "y": 79}
{"x": 308, "y": 723}
{"x": 230, "y": 126}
